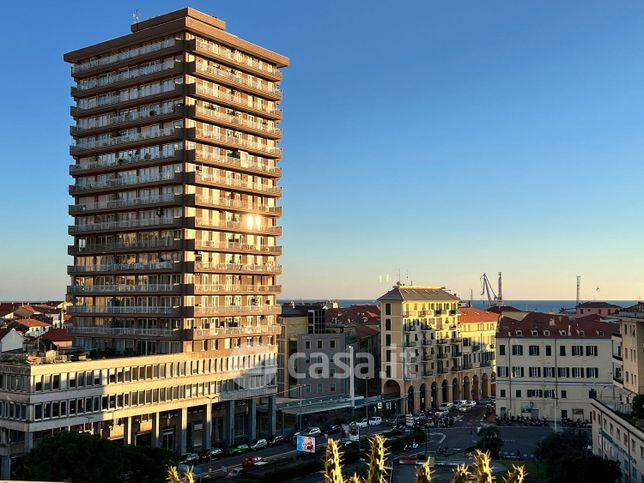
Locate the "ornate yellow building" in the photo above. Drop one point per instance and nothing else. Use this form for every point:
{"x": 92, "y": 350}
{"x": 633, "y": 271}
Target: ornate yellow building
{"x": 434, "y": 350}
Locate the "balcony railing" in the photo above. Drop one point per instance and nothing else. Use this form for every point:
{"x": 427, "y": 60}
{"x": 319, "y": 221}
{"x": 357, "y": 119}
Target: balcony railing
{"x": 138, "y": 244}
{"x": 122, "y": 161}
{"x": 121, "y": 181}
{"x": 102, "y": 205}
{"x": 236, "y": 77}
{"x": 132, "y": 73}
{"x": 142, "y": 114}
{"x": 243, "y": 247}
{"x": 118, "y": 140}
{"x": 238, "y": 183}
{"x": 236, "y": 99}
{"x": 249, "y": 163}
{"x": 238, "y": 141}
{"x": 237, "y": 225}
{"x": 239, "y": 120}
{"x": 123, "y": 55}
{"x": 115, "y": 225}
{"x": 110, "y": 99}
{"x": 94, "y": 309}
{"x": 241, "y": 59}
{"x": 238, "y": 288}
{"x": 234, "y": 267}
{"x": 238, "y": 204}
{"x": 122, "y": 267}
{"x": 254, "y": 329}
{"x": 123, "y": 331}
{"x": 122, "y": 288}
{"x": 238, "y": 309}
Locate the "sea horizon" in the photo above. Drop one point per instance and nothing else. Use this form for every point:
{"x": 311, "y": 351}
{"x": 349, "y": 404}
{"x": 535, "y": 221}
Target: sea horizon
{"x": 528, "y": 305}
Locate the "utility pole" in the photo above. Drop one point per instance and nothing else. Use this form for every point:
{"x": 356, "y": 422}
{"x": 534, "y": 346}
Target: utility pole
{"x": 500, "y": 302}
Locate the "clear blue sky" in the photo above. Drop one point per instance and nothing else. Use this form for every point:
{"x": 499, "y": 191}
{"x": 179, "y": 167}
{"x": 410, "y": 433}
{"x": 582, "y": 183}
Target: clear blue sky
{"x": 444, "y": 138}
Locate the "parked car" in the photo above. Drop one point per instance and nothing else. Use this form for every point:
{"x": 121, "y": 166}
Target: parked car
{"x": 396, "y": 420}
{"x": 277, "y": 440}
{"x": 441, "y": 413}
{"x": 459, "y": 402}
{"x": 375, "y": 421}
{"x": 446, "y": 407}
{"x": 211, "y": 453}
{"x": 312, "y": 431}
{"x": 464, "y": 408}
{"x": 471, "y": 403}
{"x": 189, "y": 459}
{"x": 363, "y": 423}
{"x": 335, "y": 430}
{"x": 253, "y": 461}
{"x": 486, "y": 401}
{"x": 259, "y": 444}
{"x": 235, "y": 472}
{"x": 239, "y": 449}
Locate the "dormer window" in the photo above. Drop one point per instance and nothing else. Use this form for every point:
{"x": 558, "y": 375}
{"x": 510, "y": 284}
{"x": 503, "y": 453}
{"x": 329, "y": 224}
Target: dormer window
{"x": 519, "y": 332}
{"x": 580, "y": 332}
{"x": 562, "y": 332}
{"x": 534, "y": 332}
{"x": 546, "y": 332}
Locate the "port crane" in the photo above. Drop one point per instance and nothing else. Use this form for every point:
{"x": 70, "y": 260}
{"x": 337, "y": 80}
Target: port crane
{"x": 486, "y": 289}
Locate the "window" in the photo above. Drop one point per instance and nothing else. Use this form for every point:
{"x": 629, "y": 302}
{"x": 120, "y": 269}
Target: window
{"x": 562, "y": 350}
{"x": 387, "y": 339}
{"x": 548, "y": 372}
{"x": 319, "y": 344}
{"x": 548, "y": 350}
{"x": 388, "y": 356}
{"x": 535, "y": 393}
{"x": 592, "y": 372}
{"x": 502, "y": 392}
{"x": 563, "y": 372}
{"x": 564, "y": 394}
{"x": 577, "y": 372}
{"x": 591, "y": 350}
{"x": 387, "y": 309}
{"x": 503, "y": 371}
{"x": 307, "y": 344}
{"x": 534, "y": 371}
{"x": 518, "y": 393}
{"x": 533, "y": 350}
{"x": 502, "y": 349}
{"x": 517, "y": 372}
{"x": 517, "y": 350}
{"x": 578, "y": 350}
{"x": 319, "y": 387}
{"x": 387, "y": 324}
{"x": 332, "y": 386}
{"x": 332, "y": 344}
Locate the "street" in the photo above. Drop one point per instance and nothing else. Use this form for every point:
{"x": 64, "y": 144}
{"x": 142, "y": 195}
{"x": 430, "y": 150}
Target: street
{"x": 459, "y": 437}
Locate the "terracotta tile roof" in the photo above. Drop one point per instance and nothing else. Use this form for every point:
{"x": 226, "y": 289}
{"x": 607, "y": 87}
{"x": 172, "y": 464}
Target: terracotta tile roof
{"x": 541, "y": 325}
{"x": 8, "y": 308}
{"x": 401, "y": 293}
{"x": 362, "y": 313}
{"x": 497, "y": 309}
{"x": 46, "y": 309}
{"x": 470, "y": 315}
{"x": 31, "y": 323}
{"x": 598, "y": 305}
{"x": 57, "y": 335}
{"x": 363, "y": 330}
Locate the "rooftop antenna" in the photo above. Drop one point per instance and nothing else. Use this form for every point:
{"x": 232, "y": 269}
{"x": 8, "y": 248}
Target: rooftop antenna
{"x": 578, "y": 290}
{"x": 136, "y": 16}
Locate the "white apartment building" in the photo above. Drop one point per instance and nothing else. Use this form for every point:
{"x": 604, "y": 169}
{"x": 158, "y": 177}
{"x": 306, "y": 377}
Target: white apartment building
{"x": 616, "y": 434}
{"x": 549, "y": 365}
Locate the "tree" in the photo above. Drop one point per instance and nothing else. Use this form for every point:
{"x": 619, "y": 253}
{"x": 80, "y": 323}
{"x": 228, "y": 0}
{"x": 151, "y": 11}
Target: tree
{"x": 76, "y": 457}
{"x": 638, "y": 406}
{"x": 568, "y": 458}
{"x": 490, "y": 440}
{"x": 80, "y": 457}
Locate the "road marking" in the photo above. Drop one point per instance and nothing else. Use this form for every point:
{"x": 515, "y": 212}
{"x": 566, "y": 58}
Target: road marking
{"x": 439, "y": 434}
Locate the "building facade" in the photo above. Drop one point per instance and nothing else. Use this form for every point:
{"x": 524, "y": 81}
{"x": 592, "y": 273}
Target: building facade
{"x": 617, "y": 435}
{"x": 175, "y": 234}
{"x": 549, "y": 365}
{"x": 428, "y": 356}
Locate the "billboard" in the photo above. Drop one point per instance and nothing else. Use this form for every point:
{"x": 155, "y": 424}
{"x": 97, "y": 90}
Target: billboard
{"x": 305, "y": 444}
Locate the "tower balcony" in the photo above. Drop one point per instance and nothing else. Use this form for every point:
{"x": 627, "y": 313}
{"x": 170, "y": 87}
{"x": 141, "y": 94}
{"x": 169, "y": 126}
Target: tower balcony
{"x": 198, "y": 177}
{"x": 234, "y": 80}
{"x": 233, "y": 121}
{"x": 233, "y": 247}
{"x": 166, "y": 288}
{"x": 235, "y": 141}
{"x": 233, "y": 204}
{"x": 233, "y": 101}
{"x": 214, "y": 267}
{"x": 153, "y": 267}
{"x": 168, "y": 199}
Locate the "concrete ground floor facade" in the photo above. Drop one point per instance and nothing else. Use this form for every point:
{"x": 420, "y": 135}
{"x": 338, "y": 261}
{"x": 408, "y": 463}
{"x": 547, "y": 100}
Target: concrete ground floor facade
{"x": 413, "y": 396}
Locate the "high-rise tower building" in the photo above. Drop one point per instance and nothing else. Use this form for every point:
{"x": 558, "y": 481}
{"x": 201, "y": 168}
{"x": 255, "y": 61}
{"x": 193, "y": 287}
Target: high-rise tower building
{"x": 175, "y": 243}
